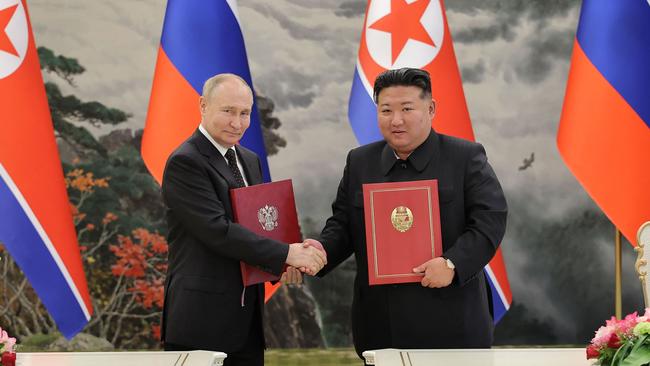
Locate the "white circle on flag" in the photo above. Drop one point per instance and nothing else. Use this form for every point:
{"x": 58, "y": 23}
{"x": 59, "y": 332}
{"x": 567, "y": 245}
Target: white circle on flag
{"x": 18, "y": 35}
{"x": 415, "y": 53}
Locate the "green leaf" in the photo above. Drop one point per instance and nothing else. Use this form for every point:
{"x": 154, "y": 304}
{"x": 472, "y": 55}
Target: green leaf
{"x": 638, "y": 356}
{"x": 639, "y": 342}
{"x": 621, "y": 354}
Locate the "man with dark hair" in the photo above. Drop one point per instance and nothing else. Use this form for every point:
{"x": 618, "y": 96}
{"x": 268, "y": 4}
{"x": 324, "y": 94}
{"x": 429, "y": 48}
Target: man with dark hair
{"x": 206, "y": 305}
{"x": 450, "y": 307}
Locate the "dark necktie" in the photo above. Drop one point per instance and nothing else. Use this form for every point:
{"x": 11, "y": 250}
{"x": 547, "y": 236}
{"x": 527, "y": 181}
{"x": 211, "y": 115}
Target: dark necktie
{"x": 232, "y": 164}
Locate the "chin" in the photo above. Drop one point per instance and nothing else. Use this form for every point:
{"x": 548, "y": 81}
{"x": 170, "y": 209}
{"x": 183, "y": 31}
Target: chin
{"x": 399, "y": 145}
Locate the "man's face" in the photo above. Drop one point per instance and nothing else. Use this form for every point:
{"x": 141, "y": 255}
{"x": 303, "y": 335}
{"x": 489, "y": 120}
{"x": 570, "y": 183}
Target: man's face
{"x": 404, "y": 117}
{"x": 226, "y": 112}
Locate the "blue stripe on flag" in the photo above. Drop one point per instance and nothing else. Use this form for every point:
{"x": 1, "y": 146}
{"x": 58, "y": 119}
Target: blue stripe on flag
{"x": 498, "y": 306}
{"x": 615, "y": 35}
{"x": 22, "y": 240}
{"x": 202, "y": 39}
{"x": 362, "y": 113}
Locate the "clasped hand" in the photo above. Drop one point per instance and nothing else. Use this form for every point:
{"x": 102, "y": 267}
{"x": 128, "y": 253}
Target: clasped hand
{"x": 307, "y": 257}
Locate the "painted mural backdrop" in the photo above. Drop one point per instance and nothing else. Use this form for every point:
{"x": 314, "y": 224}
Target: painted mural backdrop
{"x": 514, "y": 59}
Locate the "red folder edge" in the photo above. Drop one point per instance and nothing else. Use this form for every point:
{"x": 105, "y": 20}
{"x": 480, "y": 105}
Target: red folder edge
{"x": 252, "y": 275}
{"x": 368, "y": 190}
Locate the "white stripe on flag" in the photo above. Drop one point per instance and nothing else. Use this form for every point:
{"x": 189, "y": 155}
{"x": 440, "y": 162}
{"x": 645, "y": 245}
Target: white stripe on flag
{"x": 497, "y": 286}
{"x": 364, "y": 80}
{"x": 41, "y": 232}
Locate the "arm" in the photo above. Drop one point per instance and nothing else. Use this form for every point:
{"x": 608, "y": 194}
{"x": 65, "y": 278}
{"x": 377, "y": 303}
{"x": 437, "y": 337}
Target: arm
{"x": 335, "y": 236}
{"x": 485, "y": 218}
{"x": 190, "y": 195}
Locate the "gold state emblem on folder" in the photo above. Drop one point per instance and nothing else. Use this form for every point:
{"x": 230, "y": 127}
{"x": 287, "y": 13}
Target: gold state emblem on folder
{"x": 402, "y": 218}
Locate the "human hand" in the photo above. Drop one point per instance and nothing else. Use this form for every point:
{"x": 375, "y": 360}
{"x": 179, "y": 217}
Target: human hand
{"x": 307, "y": 258}
{"x": 316, "y": 244}
{"x": 292, "y": 276}
{"x": 436, "y": 273}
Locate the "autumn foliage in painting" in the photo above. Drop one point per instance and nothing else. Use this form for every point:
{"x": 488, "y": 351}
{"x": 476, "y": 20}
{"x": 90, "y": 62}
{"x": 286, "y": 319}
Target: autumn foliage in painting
{"x": 130, "y": 300}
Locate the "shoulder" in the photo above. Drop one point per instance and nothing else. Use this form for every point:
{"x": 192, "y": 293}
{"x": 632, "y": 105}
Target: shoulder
{"x": 367, "y": 151}
{"x": 186, "y": 157}
{"x": 186, "y": 150}
{"x": 457, "y": 143}
{"x": 457, "y": 147}
{"x": 247, "y": 153}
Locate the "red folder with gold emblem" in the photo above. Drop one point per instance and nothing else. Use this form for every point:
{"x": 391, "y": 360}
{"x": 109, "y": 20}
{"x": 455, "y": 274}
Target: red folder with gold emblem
{"x": 268, "y": 210}
{"x": 402, "y": 229}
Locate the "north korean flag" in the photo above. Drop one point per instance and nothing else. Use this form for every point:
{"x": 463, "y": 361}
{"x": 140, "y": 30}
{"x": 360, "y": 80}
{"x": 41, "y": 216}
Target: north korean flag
{"x": 35, "y": 216}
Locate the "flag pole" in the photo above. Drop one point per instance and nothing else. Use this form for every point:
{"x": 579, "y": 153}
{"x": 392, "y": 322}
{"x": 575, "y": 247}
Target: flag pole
{"x": 618, "y": 269}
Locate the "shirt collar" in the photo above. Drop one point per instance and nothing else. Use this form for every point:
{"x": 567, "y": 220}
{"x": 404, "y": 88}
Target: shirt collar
{"x": 222, "y": 150}
{"x": 419, "y": 158}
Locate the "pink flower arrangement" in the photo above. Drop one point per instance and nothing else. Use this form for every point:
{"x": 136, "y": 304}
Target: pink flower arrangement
{"x": 7, "y": 354}
{"x": 624, "y": 342}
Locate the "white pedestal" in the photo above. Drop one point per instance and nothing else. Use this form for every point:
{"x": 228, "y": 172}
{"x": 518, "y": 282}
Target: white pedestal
{"x": 479, "y": 357}
{"x": 192, "y": 358}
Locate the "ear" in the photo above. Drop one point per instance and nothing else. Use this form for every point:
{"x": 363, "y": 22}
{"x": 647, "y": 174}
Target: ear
{"x": 432, "y": 107}
{"x": 202, "y": 105}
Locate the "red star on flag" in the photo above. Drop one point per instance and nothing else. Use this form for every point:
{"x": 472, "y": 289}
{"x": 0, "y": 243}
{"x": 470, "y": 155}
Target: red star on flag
{"x": 5, "y": 43}
{"x": 403, "y": 23}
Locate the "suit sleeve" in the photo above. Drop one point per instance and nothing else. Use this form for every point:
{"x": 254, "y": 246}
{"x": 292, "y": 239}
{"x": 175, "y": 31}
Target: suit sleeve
{"x": 335, "y": 237}
{"x": 485, "y": 218}
{"x": 190, "y": 195}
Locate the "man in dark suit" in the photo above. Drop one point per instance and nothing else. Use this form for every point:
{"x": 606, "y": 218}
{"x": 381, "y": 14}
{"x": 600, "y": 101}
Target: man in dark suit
{"x": 450, "y": 308}
{"x": 206, "y": 306}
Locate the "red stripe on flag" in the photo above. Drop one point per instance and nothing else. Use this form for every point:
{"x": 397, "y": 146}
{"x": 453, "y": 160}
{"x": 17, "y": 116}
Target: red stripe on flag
{"x": 498, "y": 267}
{"x": 31, "y": 157}
{"x": 172, "y": 117}
{"x": 269, "y": 290}
{"x": 606, "y": 146}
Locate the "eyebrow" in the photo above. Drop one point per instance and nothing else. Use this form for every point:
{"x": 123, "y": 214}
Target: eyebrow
{"x": 234, "y": 107}
{"x": 386, "y": 104}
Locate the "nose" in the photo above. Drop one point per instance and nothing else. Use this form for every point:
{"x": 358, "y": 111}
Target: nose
{"x": 397, "y": 119}
{"x": 235, "y": 122}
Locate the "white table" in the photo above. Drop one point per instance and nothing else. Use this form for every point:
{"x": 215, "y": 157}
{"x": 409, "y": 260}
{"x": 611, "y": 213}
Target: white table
{"x": 191, "y": 358}
{"x": 479, "y": 357}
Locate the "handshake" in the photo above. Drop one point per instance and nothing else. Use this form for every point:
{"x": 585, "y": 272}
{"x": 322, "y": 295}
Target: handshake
{"x": 307, "y": 257}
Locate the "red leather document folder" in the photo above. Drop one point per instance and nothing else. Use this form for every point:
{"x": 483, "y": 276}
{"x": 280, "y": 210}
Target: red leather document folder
{"x": 402, "y": 229}
{"x": 268, "y": 210}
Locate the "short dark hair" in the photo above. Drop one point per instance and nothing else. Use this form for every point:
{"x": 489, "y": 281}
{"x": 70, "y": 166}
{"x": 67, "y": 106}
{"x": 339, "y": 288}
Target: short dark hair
{"x": 405, "y": 76}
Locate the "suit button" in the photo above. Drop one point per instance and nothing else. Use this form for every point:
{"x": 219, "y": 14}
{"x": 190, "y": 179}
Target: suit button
{"x": 403, "y": 166}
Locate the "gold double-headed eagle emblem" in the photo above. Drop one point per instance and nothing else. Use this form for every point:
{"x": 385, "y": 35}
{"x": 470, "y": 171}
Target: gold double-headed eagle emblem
{"x": 402, "y": 218}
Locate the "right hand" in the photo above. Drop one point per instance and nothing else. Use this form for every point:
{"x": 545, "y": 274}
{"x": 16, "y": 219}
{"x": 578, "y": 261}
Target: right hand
{"x": 306, "y": 257}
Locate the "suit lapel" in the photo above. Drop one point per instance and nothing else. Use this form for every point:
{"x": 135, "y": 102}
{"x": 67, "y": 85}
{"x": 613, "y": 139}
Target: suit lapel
{"x": 247, "y": 159}
{"x": 216, "y": 160}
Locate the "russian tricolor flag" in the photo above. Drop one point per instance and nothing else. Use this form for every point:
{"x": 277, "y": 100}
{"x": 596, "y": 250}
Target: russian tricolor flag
{"x": 35, "y": 216}
{"x": 401, "y": 33}
{"x": 604, "y": 133}
{"x": 199, "y": 40}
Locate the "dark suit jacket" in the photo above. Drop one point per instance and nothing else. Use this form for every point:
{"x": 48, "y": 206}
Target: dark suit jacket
{"x": 473, "y": 218}
{"x": 203, "y": 289}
